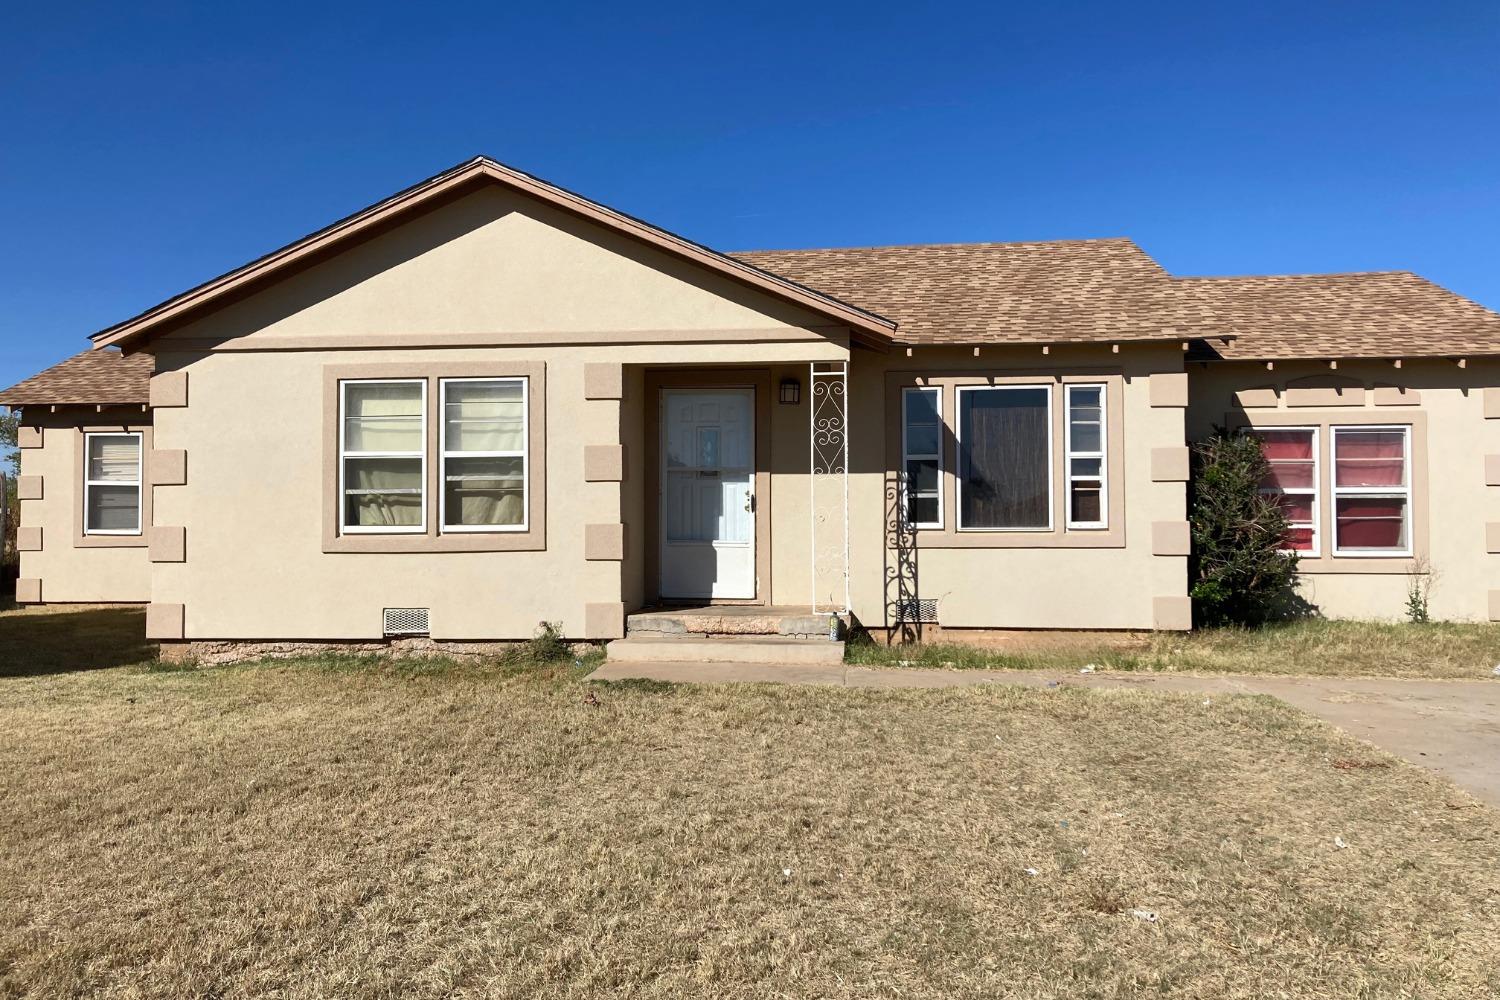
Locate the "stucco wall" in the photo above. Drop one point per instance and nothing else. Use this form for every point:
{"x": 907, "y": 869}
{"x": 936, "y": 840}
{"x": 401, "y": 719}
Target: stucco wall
{"x": 254, "y": 505}
{"x": 496, "y": 267}
{"x": 117, "y": 571}
{"x": 1037, "y": 585}
{"x": 1452, "y": 505}
{"x": 491, "y": 278}
{"x": 495, "y": 278}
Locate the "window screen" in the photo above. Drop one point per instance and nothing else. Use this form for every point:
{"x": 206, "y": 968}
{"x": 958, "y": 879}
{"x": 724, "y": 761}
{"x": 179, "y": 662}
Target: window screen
{"x": 1005, "y": 468}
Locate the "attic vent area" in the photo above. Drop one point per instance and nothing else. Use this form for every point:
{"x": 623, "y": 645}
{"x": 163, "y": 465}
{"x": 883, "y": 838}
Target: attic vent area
{"x": 923, "y": 610}
{"x": 405, "y": 621}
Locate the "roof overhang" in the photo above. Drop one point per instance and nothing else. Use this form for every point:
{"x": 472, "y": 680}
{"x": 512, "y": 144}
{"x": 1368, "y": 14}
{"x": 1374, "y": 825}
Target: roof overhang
{"x": 866, "y": 328}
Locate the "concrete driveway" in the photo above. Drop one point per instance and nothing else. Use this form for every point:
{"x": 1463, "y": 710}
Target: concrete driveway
{"x": 1451, "y": 727}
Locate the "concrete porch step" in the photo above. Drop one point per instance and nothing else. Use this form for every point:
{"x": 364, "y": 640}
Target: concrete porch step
{"x": 728, "y": 620}
{"x": 736, "y": 649}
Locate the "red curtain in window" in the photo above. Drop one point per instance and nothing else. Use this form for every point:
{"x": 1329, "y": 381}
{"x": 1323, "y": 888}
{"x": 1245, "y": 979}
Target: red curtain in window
{"x": 1371, "y": 522}
{"x": 1370, "y": 458}
{"x": 1292, "y": 467}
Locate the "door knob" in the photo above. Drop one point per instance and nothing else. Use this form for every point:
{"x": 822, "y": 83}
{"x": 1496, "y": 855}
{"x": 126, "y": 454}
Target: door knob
{"x": 749, "y": 502}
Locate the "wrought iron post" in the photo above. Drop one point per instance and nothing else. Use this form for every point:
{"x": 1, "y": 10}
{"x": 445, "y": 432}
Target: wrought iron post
{"x": 902, "y": 603}
{"x": 828, "y": 499}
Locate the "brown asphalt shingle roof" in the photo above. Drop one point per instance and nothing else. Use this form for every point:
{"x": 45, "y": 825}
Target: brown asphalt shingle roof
{"x": 92, "y": 377}
{"x": 1109, "y": 290}
{"x": 993, "y": 293}
{"x": 1387, "y": 314}
{"x": 1029, "y": 293}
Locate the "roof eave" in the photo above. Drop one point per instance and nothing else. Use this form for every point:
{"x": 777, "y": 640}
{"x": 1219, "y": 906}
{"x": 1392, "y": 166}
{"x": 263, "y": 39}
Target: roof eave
{"x": 16, "y": 403}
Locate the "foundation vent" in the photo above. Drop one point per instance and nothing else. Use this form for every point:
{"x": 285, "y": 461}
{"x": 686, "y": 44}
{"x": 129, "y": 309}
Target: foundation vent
{"x": 405, "y": 621}
{"x": 922, "y": 610}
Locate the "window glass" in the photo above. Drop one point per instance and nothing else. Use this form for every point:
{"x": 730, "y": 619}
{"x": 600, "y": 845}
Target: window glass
{"x": 112, "y": 484}
{"x": 484, "y": 454}
{"x": 922, "y": 436}
{"x": 1370, "y": 458}
{"x": 383, "y": 492}
{"x": 485, "y": 491}
{"x": 485, "y": 416}
{"x": 1086, "y": 500}
{"x": 1371, "y": 491}
{"x": 1292, "y": 482}
{"x": 384, "y": 455}
{"x": 383, "y": 417}
{"x": 1371, "y": 522}
{"x": 1004, "y": 457}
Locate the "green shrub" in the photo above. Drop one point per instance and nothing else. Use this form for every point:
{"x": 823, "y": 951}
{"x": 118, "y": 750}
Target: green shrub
{"x": 1240, "y": 575}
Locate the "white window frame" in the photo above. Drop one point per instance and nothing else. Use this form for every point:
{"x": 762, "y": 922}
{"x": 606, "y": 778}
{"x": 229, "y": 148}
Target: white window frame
{"x": 960, "y": 470}
{"x": 1315, "y": 491}
{"x": 907, "y": 455}
{"x": 344, "y": 453}
{"x": 1404, "y": 492}
{"x": 1102, "y": 455}
{"x": 524, "y": 454}
{"x": 89, "y": 484}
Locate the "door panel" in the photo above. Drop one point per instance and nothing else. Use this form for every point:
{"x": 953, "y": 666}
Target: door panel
{"x": 707, "y": 493}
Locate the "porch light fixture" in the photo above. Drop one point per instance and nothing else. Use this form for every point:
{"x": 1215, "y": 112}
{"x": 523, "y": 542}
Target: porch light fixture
{"x": 791, "y": 391}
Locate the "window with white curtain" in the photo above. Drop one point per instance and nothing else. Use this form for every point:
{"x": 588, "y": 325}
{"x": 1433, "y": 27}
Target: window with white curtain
{"x": 921, "y": 450}
{"x": 383, "y": 455}
{"x": 1372, "y": 491}
{"x": 112, "y": 484}
{"x": 484, "y": 454}
{"x": 1088, "y": 505}
{"x": 1005, "y": 458}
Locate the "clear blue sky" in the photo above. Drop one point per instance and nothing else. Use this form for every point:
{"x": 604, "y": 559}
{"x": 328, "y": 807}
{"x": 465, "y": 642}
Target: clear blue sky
{"x": 145, "y": 148}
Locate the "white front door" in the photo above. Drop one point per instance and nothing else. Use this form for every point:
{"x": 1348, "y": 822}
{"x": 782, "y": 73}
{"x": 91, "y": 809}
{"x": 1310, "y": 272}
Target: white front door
{"x": 708, "y": 493}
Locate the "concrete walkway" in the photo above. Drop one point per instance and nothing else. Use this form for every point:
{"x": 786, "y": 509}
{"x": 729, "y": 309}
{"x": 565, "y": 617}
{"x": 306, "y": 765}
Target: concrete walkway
{"x": 1451, "y": 727}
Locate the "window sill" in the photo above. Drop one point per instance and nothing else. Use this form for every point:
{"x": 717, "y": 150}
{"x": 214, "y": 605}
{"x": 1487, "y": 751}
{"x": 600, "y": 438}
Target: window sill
{"x": 1019, "y": 539}
{"x": 138, "y": 541}
{"x": 508, "y": 541}
{"x": 1398, "y": 565}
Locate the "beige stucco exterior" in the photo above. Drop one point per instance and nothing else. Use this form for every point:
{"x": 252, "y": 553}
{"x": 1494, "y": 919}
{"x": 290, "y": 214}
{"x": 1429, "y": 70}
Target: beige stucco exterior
{"x": 245, "y": 545}
{"x": 58, "y": 563}
{"x": 1445, "y": 405}
{"x": 1034, "y": 581}
{"x": 502, "y": 283}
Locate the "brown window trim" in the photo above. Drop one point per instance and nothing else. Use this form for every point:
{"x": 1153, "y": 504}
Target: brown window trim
{"x": 534, "y": 539}
{"x": 1325, "y": 421}
{"x": 82, "y": 540}
{"x": 1060, "y": 535}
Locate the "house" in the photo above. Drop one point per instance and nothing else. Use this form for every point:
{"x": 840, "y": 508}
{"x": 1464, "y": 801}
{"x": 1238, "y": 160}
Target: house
{"x": 486, "y": 402}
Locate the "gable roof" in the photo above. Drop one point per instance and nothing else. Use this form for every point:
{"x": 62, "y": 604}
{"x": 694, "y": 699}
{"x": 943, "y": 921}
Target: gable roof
{"x": 93, "y": 377}
{"x": 867, "y": 326}
{"x": 1385, "y": 314}
{"x": 994, "y": 293}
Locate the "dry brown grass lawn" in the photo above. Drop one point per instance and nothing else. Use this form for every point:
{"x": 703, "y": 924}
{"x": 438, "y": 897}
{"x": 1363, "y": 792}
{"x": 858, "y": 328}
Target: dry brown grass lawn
{"x": 353, "y": 828}
{"x": 1308, "y": 648}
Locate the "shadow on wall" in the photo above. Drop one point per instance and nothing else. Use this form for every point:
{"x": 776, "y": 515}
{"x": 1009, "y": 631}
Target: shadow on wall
{"x": 42, "y": 641}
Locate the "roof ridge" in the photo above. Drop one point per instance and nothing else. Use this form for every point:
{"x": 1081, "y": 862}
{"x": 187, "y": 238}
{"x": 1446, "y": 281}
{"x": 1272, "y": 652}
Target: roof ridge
{"x": 946, "y": 246}
{"x": 1299, "y": 274}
